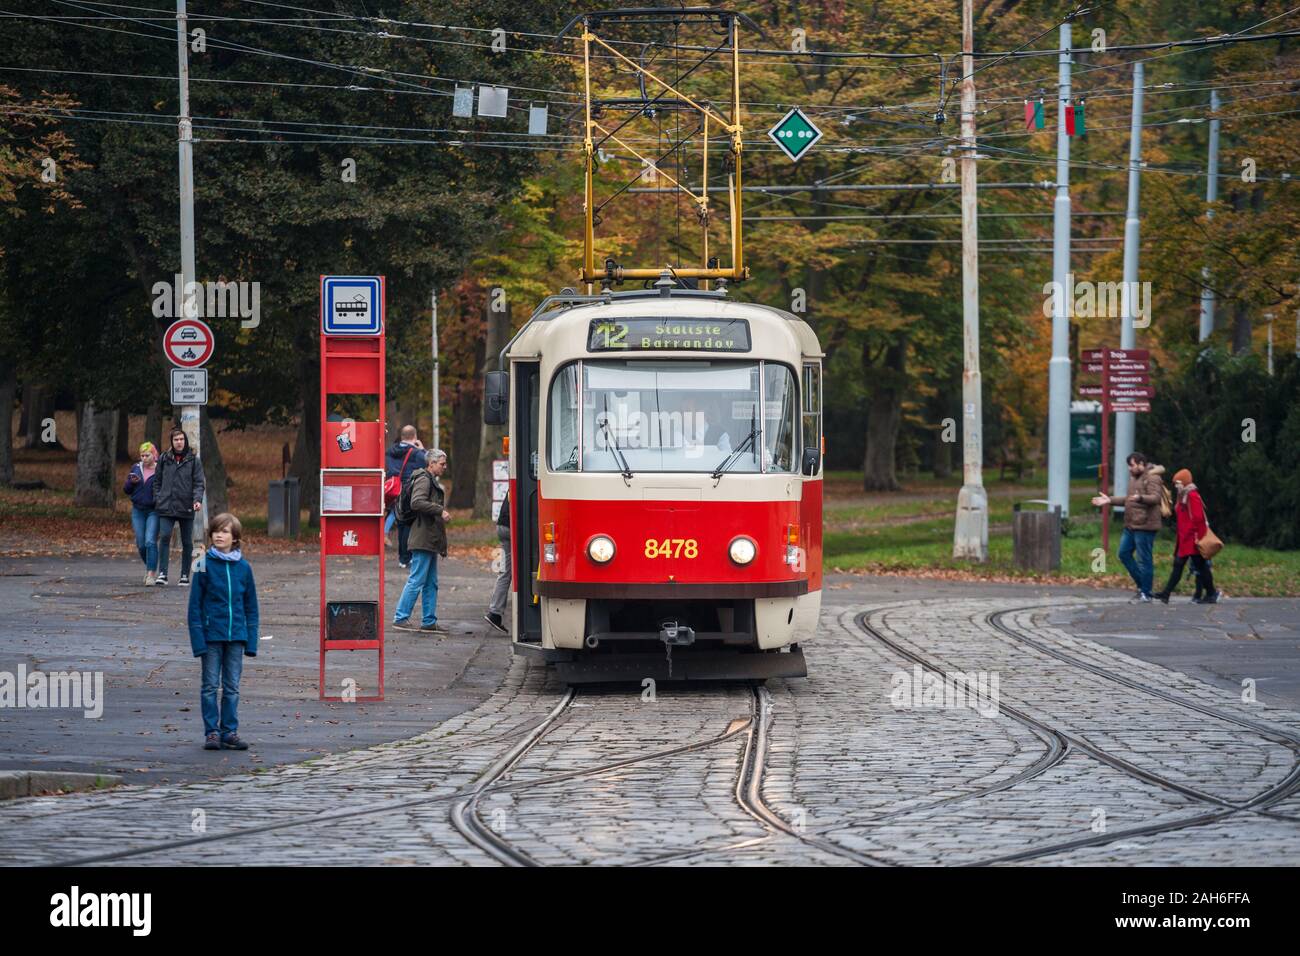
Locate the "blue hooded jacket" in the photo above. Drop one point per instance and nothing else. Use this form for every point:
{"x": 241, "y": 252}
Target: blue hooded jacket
{"x": 223, "y": 603}
{"x": 141, "y": 493}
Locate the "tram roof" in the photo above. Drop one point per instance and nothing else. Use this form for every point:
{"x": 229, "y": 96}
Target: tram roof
{"x": 566, "y": 326}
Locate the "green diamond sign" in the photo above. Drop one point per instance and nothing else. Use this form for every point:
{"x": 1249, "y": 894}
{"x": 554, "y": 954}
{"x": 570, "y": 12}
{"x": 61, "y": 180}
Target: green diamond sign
{"x": 795, "y": 134}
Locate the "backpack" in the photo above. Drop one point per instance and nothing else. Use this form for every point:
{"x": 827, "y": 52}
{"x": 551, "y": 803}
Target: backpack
{"x": 393, "y": 484}
{"x": 403, "y": 510}
{"x": 1166, "y": 501}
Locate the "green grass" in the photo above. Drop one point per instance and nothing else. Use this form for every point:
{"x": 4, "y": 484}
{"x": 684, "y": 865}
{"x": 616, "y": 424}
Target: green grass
{"x": 878, "y": 533}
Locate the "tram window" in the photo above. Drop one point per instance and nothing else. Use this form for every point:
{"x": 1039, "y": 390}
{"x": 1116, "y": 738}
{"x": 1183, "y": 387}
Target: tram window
{"x": 812, "y": 405}
{"x": 679, "y": 415}
{"x": 563, "y": 413}
{"x": 780, "y": 403}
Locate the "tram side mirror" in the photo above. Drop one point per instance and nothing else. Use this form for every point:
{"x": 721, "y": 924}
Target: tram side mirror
{"x": 812, "y": 459}
{"x": 496, "y": 398}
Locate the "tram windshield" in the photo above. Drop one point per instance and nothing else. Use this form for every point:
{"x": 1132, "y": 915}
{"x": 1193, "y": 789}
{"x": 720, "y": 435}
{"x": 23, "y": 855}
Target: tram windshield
{"x": 678, "y": 415}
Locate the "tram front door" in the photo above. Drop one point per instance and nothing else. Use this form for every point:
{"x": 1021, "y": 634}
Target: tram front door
{"x": 526, "y": 443}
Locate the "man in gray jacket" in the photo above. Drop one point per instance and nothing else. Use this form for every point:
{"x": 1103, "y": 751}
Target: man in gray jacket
{"x": 422, "y": 501}
{"x": 178, "y": 496}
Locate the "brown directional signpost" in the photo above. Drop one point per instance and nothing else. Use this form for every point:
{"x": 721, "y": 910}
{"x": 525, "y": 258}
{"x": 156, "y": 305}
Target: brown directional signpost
{"x": 1125, "y": 387}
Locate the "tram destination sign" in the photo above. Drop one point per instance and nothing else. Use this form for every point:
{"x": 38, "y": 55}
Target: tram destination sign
{"x": 669, "y": 335}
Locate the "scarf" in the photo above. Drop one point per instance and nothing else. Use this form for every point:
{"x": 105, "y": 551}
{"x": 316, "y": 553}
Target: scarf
{"x": 232, "y": 555}
{"x": 1187, "y": 490}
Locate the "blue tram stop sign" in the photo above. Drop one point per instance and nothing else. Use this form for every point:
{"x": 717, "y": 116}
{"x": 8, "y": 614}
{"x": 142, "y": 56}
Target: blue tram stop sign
{"x": 352, "y": 305}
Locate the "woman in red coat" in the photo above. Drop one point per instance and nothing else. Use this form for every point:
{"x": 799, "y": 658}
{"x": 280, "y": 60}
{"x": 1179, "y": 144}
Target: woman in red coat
{"x": 1190, "y": 513}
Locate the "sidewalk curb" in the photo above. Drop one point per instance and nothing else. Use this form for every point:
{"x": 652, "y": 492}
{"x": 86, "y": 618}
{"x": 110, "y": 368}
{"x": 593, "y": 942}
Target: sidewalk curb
{"x": 27, "y": 783}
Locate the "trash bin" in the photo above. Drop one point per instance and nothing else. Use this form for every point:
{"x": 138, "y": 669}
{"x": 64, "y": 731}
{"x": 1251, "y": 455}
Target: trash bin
{"x": 282, "y": 509}
{"x": 1036, "y": 538}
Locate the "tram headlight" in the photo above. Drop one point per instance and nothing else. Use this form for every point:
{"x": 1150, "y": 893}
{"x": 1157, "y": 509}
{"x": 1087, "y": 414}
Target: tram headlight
{"x": 601, "y": 549}
{"x": 742, "y": 550}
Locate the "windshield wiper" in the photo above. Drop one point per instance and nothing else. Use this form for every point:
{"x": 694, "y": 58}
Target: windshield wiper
{"x": 735, "y": 454}
{"x": 609, "y": 437}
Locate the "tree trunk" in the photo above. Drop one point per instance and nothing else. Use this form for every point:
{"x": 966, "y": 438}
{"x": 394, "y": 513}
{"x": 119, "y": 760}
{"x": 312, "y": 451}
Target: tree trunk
{"x": 406, "y": 412}
{"x": 943, "y": 409}
{"x": 124, "y": 453}
{"x": 96, "y": 439}
{"x": 38, "y": 411}
{"x": 467, "y": 433}
{"x": 306, "y": 462}
{"x": 153, "y": 425}
{"x": 1241, "y": 329}
{"x": 884, "y": 415}
{"x": 498, "y": 333}
{"x": 8, "y": 387}
{"x": 942, "y": 456}
{"x": 306, "y": 449}
{"x": 214, "y": 466}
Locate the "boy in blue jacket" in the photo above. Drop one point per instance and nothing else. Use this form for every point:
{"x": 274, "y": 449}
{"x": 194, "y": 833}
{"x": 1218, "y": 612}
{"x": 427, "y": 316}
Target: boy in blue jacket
{"x": 223, "y": 628}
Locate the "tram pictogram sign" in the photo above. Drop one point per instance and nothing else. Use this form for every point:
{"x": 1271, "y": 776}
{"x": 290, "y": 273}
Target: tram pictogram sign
{"x": 352, "y": 305}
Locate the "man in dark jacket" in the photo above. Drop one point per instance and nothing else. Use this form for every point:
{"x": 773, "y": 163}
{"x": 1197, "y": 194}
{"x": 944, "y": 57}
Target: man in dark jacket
{"x": 405, "y": 457}
{"x": 178, "y": 496}
{"x": 1141, "y": 521}
{"x": 428, "y": 540}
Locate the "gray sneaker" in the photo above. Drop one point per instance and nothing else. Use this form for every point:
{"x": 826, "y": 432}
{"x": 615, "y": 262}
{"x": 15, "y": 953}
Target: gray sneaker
{"x": 434, "y": 628}
{"x": 406, "y": 624}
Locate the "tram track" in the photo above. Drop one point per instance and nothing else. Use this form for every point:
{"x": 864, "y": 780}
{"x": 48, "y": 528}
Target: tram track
{"x": 463, "y": 814}
{"x": 1055, "y": 755}
{"x": 466, "y": 809}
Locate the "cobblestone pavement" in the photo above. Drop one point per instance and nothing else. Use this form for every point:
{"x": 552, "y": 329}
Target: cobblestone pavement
{"x": 1094, "y": 757}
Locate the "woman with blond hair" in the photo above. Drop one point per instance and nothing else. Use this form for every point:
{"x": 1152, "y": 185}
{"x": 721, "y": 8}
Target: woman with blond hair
{"x": 139, "y": 488}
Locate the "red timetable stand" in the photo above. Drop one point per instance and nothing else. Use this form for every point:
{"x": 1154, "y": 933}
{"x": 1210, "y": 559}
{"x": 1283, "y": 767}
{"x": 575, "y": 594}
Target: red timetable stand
{"x": 352, "y": 464}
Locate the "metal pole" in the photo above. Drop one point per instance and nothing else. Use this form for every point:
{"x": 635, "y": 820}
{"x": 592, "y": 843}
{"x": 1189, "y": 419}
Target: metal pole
{"x": 1058, "y": 370}
{"x": 185, "y": 147}
{"x": 1125, "y": 422}
{"x": 971, "y": 530}
{"x": 1211, "y": 195}
{"x": 434, "y": 305}
{"x": 1270, "y": 317}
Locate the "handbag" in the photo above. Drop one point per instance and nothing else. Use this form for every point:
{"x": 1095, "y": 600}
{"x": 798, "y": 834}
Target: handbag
{"x": 1209, "y": 545}
{"x": 393, "y": 483}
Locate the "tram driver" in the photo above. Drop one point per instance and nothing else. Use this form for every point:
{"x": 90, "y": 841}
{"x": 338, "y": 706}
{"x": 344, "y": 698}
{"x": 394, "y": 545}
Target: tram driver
{"x": 698, "y": 428}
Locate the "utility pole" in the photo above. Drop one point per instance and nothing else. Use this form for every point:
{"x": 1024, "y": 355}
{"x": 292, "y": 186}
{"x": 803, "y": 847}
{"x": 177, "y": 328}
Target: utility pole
{"x": 189, "y": 290}
{"x": 434, "y": 310}
{"x": 971, "y": 530}
{"x": 1058, "y": 371}
{"x": 1125, "y": 421}
{"x": 1211, "y": 195}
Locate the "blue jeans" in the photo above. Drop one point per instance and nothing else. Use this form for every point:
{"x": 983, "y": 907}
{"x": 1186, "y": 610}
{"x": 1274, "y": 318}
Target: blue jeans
{"x": 165, "y": 523}
{"x": 145, "y": 524}
{"x": 1142, "y": 571}
{"x": 223, "y": 663}
{"x": 423, "y": 579}
{"x": 403, "y": 536}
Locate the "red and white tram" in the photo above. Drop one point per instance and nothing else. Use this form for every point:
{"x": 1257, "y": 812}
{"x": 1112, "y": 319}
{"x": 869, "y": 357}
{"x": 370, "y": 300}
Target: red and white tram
{"x": 665, "y": 485}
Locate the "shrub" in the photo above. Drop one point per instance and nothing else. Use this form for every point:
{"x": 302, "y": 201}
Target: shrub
{"x": 1201, "y": 420}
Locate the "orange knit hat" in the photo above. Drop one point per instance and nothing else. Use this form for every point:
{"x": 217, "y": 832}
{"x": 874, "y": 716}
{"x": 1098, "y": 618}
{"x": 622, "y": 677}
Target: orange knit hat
{"x": 1183, "y": 475}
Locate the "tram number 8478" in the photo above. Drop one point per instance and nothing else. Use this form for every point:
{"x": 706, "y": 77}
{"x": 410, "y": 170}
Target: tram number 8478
{"x": 672, "y": 548}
